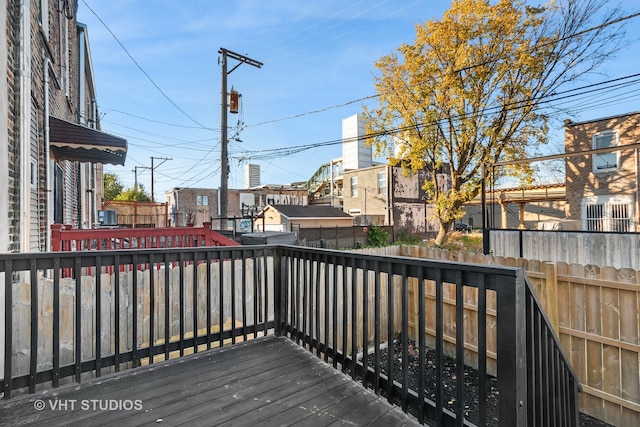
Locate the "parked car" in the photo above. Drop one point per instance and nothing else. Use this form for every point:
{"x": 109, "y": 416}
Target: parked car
{"x": 464, "y": 228}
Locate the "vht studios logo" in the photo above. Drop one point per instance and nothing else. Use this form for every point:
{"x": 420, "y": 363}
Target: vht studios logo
{"x": 88, "y": 405}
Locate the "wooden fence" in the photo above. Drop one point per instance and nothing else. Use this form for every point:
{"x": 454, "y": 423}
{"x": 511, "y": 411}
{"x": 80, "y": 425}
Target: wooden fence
{"x": 619, "y": 250}
{"x": 594, "y": 311}
{"x": 181, "y": 290}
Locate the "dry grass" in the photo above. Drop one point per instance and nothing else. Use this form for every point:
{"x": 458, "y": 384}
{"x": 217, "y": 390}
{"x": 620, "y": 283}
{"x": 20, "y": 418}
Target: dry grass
{"x": 457, "y": 241}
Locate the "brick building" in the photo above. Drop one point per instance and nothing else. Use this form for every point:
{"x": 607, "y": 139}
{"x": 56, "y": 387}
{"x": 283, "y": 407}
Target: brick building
{"x": 602, "y": 188}
{"x": 191, "y": 206}
{"x": 51, "y": 150}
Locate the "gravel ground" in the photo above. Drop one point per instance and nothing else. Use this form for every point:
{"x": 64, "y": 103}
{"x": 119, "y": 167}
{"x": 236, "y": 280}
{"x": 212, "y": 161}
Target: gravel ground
{"x": 449, "y": 384}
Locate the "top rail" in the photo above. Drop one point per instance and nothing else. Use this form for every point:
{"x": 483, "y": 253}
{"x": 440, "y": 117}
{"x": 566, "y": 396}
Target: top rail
{"x": 64, "y": 238}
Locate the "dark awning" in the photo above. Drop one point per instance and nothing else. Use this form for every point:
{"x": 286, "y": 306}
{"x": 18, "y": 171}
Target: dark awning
{"x": 69, "y": 141}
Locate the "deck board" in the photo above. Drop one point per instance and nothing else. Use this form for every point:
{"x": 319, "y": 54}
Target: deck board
{"x": 266, "y": 381}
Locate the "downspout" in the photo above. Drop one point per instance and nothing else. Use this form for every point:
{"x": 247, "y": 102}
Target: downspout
{"x": 47, "y": 157}
{"x": 25, "y": 119}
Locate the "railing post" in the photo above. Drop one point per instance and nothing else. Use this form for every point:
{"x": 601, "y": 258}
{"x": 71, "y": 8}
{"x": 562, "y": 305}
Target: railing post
{"x": 208, "y": 240}
{"x": 278, "y": 269}
{"x": 56, "y": 237}
{"x": 512, "y": 351}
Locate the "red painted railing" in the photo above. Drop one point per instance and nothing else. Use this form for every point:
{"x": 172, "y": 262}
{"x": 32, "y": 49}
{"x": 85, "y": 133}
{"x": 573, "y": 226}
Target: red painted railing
{"x": 65, "y": 239}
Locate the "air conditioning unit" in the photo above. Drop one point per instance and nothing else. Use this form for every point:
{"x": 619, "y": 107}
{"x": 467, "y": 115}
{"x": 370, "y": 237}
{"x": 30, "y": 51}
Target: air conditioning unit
{"x": 107, "y": 217}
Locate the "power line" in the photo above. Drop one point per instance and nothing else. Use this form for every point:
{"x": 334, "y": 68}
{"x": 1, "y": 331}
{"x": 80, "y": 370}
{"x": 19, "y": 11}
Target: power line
{"x": 158, "y": 121}
{"x": 142, "y": 70}
{"x": 286, "y": 151}
{"x": 597, "y": 27}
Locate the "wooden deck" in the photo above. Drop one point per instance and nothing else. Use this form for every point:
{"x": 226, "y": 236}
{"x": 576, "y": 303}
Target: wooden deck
{"x": 268, "y": 381}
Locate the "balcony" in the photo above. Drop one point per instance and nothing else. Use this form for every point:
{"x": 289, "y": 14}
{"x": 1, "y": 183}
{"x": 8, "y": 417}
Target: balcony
{"x": 275, "y": 335}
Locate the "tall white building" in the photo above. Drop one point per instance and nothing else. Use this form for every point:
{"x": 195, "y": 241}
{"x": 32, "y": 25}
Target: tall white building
{"x": 251, "y": 176}
{"x": 355, "y": 152}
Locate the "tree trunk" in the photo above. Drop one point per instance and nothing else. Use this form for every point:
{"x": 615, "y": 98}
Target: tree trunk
{"x": 441, "y": 238}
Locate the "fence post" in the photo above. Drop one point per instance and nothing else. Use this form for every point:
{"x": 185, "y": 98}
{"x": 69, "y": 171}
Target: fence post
{"x": 512, "y": 351}
{"x": 551, "y": 294}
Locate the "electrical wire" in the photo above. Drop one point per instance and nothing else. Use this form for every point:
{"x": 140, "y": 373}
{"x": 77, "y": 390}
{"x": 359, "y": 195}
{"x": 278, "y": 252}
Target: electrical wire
{"x": 142, "y": 69}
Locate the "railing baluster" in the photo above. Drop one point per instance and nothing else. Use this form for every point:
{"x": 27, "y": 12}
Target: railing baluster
{"x": 221, "y": 298}
{"x": 354, "y": 317}
{"x": 390, "y": 330}
{"x": 181, "y": 307}
{"x": 255, "y": 291}
{"x": 459, "y": 350}
{"x": 421, "y": 346}
{"x": 546, "y": 409}
{"x": 376, "y": 325}
{"x": 405, "y": 337}
{"x": 244, "y": 296}
{"x": 98, "y": 319}
{"x": 194, "y": 302}
{"x": 482, "y": 350}
{"x": 78, "y": 319}
{"x": 134, "y": 311}
{"x": 326, "y": 307}
{"x": 265, "y": 285}
{"x": 334, "y": 313}
{"x": 8, "y": 324}
{"x": 365, "y": 321}
{"x": 439, "y": 398}
{"x": 293, "y": 286}
{"x": 167, "y": 302}
{"x": 233, "y": 297}
{"x": 345, "y": 315}
{"x": 56, "y": 321}
{"x": 116, "y": 298}
{"x": 33, "y": 350}
{"x": 208, "y": 296}
{"x": 317, "y": 306}
{"x": 152, "y": 306}
{"x": 304, "y": 305}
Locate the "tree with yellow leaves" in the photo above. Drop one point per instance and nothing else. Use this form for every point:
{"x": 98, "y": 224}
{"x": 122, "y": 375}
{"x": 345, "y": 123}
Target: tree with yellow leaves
{"x": 471, "y": 89}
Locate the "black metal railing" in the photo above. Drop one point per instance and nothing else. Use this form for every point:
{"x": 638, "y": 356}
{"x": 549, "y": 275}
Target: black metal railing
{"x": 346, "y": 307}
{"x": 454, "y": 343}
{"x": 130, "y": 308}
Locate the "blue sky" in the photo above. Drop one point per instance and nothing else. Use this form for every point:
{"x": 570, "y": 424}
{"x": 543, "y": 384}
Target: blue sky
{"x": 318, "y": 62}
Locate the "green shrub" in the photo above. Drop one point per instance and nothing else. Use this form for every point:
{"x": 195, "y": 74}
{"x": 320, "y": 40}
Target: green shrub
{"x": 377, "y": 237}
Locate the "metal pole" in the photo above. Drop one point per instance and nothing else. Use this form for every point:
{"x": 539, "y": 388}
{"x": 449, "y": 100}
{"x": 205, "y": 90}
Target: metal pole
{"x": 485, "y": 230}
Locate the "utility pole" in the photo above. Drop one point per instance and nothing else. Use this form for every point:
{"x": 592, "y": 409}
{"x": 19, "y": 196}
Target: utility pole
{"x": 152, "y": 168}
{"x": 135, "y": 174}
{"x": 224, "y": 168}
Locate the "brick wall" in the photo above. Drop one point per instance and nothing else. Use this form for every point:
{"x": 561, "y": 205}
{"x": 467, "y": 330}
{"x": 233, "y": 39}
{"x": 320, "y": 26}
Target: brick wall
{"x": 582, "y": 181}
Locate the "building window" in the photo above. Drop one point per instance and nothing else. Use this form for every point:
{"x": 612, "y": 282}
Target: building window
{"x": 608, "y": 213}
{"x": 202, "y": 200}
{"x": 354, "y": 186}
{"x": 382, "y": 182}
{"x": 605, "y": 161}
